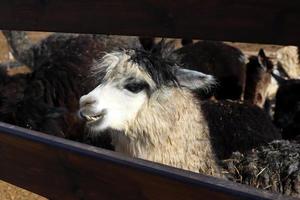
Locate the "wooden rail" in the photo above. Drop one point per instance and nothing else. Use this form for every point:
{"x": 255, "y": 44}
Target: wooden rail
{"x": 264, "y": 21}
{"x": 62, "y": 169}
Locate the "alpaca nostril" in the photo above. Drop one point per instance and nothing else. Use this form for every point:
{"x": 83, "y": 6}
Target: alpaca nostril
{"x": 87, "y": 103}
{"x": 81, "y": 115}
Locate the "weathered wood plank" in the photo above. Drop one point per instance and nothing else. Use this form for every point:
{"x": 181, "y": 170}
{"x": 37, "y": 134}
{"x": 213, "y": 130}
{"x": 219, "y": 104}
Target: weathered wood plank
{"x": 264, "y": 21}
{"x": 62, "y": 169}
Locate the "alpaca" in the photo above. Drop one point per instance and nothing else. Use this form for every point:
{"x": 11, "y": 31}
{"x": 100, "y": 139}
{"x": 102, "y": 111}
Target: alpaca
{"x": 148, "y": 43}
{"x": 226, "y": 63}
{"x": 48, "y": 98}
{"x": 287, "y": 108}
{"x": 63, "y": 47}
{"x": 288, "y": 58}
{"x": 258, "y": 78}
{"x": 147, "y": 104}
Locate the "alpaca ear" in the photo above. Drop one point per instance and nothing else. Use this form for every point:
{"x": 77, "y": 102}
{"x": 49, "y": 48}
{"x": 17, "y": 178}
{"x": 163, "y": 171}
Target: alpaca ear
{"x": 262, "y": 58}
{"x": 194, "y": 79}
{"x": 264, "y": 61}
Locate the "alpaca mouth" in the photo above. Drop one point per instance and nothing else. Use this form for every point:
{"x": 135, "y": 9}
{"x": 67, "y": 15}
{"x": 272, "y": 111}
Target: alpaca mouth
{"x": 93, "y": 118}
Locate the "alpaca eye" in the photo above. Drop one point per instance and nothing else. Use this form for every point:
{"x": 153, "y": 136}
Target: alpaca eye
{"x": 135, "y": 87}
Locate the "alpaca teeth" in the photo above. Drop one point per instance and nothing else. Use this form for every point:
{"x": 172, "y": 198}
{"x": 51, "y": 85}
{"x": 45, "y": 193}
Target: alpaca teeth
{"x": 92, "y": 118}
{"x": 89, "y": 118}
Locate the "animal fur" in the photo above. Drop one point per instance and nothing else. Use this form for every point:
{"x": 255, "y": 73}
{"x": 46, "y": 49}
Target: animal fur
{"x": 171, "y": 127}
{"x": 160, "y": 133}
{"x": 48, "y": 98}
{"x": 274, "y": 167}
{"x": 288, "y": 58}
{"x": 258, "y": 79}
{"x": 287, "y": 109}
{"x": 226, "y": 63}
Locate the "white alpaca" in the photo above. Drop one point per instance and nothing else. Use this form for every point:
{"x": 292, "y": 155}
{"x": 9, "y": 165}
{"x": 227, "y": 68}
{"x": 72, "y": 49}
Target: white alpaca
{"x": 148, "y": 105}
{"x": 141, "y": 105}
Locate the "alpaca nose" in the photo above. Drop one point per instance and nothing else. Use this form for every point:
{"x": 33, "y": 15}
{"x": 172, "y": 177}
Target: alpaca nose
{"x": 86, "y": 101}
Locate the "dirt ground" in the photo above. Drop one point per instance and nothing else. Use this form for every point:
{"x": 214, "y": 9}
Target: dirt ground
{"x": 10, "y": 192}
{"x": 4, "y": 50}
{"x": 253, "y": 49}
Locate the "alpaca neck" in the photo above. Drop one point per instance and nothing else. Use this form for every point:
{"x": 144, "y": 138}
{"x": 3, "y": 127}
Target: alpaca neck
{"x": 170, "y": 129}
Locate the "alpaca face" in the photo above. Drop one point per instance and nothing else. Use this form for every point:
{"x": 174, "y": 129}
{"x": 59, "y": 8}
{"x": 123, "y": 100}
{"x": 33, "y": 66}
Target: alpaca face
{"x": 128, "y": 80}
{"x": 258, "y": 74}
{"x": 113, "y": 104}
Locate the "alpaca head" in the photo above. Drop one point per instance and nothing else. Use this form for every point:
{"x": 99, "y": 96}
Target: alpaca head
{"x": 127, "y": 80}
{"x": 259, "y": 71}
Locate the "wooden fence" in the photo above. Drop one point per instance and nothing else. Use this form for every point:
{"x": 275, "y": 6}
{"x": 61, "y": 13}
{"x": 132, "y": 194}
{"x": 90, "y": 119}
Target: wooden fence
{"x": 62, "y": 169}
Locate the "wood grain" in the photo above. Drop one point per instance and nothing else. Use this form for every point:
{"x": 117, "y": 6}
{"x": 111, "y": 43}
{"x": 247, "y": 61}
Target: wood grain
{"x": 62, "y": 169}
{"x": 263, "y": 21}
